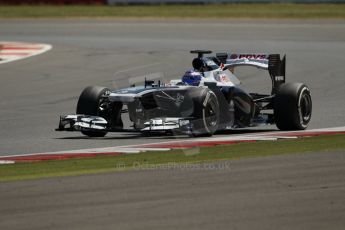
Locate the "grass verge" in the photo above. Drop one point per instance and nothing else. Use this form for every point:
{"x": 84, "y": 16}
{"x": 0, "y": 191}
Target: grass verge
{"x": 178, "y": 11}
{"x": 100, "y": 164}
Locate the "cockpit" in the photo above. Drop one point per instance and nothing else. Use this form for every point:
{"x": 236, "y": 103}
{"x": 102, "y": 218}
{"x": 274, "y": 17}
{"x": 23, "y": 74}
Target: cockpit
{"x": 208, "y": 69}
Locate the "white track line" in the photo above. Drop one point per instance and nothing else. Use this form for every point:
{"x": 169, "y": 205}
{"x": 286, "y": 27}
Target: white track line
{"x": 119, "y": 149}
{"x": 4, "y": 162}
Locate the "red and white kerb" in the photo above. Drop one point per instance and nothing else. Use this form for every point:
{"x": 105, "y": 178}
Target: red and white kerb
{"x": 13, "y": 51}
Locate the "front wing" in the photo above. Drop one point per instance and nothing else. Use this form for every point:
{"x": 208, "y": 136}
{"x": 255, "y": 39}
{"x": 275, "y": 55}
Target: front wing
{"x": 94, "y": 123}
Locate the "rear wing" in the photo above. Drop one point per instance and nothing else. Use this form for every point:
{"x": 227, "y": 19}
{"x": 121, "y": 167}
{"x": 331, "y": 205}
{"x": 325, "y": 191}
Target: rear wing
{"x": 271, "y": 62}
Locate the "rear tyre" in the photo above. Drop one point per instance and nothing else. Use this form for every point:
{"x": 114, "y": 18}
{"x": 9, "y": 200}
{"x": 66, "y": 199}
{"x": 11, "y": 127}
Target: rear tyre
{"x": 89, "y": 104}
{"x": 292, "y": 107}
{"x": 207, "y": 113}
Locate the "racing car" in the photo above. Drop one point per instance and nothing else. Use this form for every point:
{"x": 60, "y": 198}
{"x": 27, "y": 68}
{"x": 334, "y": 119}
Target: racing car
{"x": 208, "y": 98}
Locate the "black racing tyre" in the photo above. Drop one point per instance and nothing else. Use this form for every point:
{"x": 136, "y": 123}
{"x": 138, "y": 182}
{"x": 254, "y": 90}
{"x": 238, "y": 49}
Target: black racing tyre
{"x": 292, "y": 107}
{"x": 206, "y": 113}
{"x": 88, "y": 104}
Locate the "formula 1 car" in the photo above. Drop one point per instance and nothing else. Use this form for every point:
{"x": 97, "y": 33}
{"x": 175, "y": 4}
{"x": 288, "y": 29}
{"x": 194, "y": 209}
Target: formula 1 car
{"x": 207, "y": 99}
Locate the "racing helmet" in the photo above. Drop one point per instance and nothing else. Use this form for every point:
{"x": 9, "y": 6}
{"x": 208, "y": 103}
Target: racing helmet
{"x": 192, "y": 77}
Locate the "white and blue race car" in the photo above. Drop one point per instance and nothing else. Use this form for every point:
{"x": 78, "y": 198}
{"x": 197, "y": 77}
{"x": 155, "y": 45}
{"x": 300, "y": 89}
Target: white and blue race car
{"x": 207, "y": 99}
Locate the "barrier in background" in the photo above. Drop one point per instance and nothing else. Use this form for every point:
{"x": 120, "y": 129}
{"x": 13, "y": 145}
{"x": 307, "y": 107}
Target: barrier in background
{"x": 54, "y": 2}
{"x": 114, "y": 2}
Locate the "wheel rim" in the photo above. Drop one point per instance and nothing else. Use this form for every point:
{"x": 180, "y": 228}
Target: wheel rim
{"x": 305, "y": 107}
{"x": 103, "y": 104}
{"x": 210, "y": 115}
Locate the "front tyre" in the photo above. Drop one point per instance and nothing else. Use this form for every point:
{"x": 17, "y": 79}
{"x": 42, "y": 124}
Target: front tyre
{"x": 89, "y": 103}
{"x": 293, "y": 107}
{"x": 206, "y": 113}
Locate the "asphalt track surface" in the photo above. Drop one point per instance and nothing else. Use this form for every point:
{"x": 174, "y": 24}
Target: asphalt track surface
{"x": 35, "y": 91}
{"x": 300, "y": 191}
{"x": 287, "y": 192}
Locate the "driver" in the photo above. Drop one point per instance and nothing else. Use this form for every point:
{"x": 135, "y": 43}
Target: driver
{"x": 192, "y": 77}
